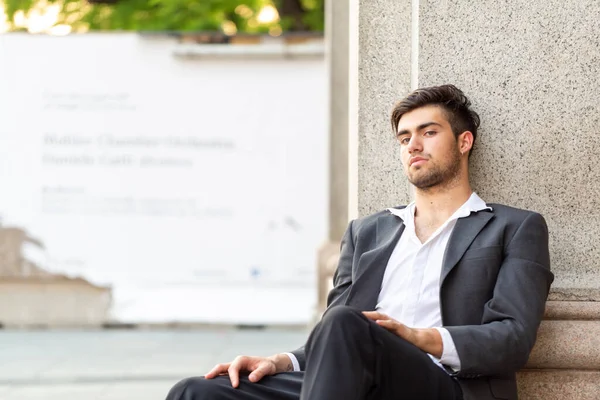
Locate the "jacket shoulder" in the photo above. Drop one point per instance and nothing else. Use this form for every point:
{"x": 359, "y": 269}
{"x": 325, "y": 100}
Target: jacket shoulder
{"x": 513, "y": 214}
{"x": 371, "y": 219}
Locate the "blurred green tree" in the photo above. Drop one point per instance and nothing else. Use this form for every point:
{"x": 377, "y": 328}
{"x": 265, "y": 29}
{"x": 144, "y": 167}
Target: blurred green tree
{"x": 229, "y": 16}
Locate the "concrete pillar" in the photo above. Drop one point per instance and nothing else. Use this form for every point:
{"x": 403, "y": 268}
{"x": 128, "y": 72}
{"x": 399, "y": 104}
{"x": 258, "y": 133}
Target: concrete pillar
{"x": 384, "y": 76}
{"x": 531, "y": 70}
{"x": 337, "y": 37}
{"x": 337, "y": 56}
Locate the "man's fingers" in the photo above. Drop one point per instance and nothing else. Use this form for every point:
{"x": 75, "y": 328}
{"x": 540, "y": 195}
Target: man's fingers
{"x": 387, "y": 323}
{"x": 375, "y": 315}
{"x": 234, "y": 376}
{"x": 396, "y": 327}
{"x": 217, "y": 370}
{"x": 234, "y": 371}
{"x": 259, "y": 373}
{"x": 259, "y": 367}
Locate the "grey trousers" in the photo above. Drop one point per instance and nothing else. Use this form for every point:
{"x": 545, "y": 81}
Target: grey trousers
{"x": 348, "y": 357}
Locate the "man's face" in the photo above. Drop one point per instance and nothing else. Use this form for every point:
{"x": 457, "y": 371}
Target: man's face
{"x": 429, "y": 150}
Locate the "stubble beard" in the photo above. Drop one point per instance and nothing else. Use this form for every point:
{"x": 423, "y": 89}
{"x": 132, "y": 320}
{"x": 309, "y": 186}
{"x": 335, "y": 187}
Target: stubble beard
{"x": 438, "y": 176}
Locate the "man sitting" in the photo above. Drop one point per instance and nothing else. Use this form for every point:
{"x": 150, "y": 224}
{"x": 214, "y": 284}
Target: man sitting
{"x": 440, "y": 299}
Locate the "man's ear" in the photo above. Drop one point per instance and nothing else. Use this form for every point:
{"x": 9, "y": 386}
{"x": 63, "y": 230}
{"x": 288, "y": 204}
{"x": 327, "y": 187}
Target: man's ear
{"x": 465, "y": 142}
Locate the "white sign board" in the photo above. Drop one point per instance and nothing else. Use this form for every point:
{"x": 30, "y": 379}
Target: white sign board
{"x": 196, "y": 189}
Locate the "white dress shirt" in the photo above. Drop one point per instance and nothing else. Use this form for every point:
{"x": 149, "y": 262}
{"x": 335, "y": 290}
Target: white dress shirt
{"x": 410, "y": 290}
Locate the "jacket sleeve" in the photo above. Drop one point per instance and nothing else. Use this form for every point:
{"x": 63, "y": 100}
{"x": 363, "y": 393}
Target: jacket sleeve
{"x": 503, "y": 341}
{"x": 342, "y": 281}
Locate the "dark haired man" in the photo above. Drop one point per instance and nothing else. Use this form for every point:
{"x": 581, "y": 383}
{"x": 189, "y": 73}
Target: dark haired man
{"x": 440, "y": 299}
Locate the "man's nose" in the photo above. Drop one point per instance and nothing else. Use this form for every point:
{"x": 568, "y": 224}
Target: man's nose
{"x": 414, "y": 144}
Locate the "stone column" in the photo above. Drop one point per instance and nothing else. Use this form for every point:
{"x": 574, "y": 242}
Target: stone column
{"x": 532, "y": 71}
{"x": 337, "y": 37}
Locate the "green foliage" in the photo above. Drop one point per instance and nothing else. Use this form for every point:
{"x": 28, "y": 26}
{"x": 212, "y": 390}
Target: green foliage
{"x": 177, "y": 15}
{"x": 314, "y": 18}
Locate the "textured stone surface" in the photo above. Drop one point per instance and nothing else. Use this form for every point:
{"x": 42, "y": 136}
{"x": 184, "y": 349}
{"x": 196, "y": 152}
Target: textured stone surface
{"x": 567, "y": 344}
{"x": 574, "y": 294}
{"x": 559, "y": 385}
{"x": 337, "y": 38}
{"x": 532, "y": 71}
{"x": 384, "y": 77}
{"x": 572, "y": 310}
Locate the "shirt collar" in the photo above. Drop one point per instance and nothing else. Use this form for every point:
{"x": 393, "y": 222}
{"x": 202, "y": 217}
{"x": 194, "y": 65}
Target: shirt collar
{"x": 473, "y": 204}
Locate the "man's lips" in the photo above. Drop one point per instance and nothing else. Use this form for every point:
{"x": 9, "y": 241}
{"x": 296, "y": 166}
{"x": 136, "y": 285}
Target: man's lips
{"x": 417, "y": 160}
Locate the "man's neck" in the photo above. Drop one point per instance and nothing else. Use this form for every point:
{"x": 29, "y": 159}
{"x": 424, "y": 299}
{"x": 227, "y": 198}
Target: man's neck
{"x": 436, "y": 205}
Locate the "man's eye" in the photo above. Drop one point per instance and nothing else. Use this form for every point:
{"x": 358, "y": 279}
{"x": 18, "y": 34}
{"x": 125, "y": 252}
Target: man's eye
{"x": 430, "y": 133}
{"x": 404, "y": 140}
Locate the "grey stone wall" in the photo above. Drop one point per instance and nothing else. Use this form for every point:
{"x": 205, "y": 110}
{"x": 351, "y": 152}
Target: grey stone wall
{"x": 384, "y": 76}
{"x": 532, "y": 72}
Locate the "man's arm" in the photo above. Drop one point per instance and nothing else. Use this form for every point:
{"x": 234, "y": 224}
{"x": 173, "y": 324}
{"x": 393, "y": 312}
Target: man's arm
{"x": 503, "y": 342}
{"x": 342, "y": 280}
{"x": 427, "y": 339}
{"x": 435, "y": 341}
{"x": 511, "y": 318}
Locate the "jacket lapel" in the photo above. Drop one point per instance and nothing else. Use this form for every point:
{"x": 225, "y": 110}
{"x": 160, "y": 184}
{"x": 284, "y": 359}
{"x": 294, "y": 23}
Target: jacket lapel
{"x": 465, "y": 231}
{"x": 371, "y": 264}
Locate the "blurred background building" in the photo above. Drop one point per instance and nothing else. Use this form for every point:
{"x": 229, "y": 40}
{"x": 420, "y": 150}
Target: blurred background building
{"x": 165, "y": 189}
{"x": 164, "y": 167}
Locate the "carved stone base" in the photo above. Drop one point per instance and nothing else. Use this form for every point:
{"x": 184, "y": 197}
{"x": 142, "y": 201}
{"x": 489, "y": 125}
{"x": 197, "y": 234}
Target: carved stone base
{"x": 565, "y": 362}
{"x": 559, "y": 385}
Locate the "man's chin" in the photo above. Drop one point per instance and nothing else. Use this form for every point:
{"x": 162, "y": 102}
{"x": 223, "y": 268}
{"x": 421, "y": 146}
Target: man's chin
{"x": 425, "y": 182}
{"x": 426, "y": 186}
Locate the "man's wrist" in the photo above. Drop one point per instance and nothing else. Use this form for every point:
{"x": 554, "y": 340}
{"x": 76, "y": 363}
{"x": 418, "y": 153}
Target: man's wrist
{"x": 430, "y": 341}
{"x": 283, "y": 363}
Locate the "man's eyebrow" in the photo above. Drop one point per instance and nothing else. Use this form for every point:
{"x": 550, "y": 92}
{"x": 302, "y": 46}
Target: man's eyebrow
{"x": 419, "y": 128}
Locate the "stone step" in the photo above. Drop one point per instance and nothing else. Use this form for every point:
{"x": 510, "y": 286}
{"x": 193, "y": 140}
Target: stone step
{"x": 572, "y": 310}
{"x": 558, "y": 385}
{"x": 565, "y": 362}
{"x": 567, "y": 345}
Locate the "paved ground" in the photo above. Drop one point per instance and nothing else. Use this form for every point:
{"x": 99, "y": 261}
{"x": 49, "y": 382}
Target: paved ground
{"x": 122, "y": 365}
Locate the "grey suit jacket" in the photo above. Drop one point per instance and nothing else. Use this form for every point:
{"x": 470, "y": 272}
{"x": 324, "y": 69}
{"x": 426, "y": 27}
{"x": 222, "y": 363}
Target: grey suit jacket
{"x": 493, "y": 289}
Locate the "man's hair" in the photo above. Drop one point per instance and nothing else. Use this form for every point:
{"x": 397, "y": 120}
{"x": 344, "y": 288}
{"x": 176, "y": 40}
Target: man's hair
{"x": 451, "y": 99}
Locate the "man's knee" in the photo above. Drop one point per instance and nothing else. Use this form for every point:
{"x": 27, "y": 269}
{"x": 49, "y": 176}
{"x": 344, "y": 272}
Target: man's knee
{"x": 196, "y": 388}
{"x": 342, "y": 315}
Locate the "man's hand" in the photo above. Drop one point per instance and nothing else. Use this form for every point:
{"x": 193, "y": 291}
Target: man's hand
{"x": 428, "y": 340}
{"x": 257, "y": 366}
